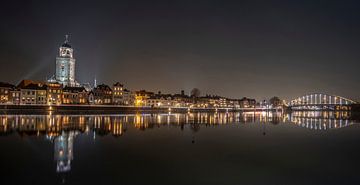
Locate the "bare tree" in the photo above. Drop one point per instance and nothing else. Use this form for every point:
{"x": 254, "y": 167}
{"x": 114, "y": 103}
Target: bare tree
{"x": 275, "y": 101}
{"x": 195, "y": 93}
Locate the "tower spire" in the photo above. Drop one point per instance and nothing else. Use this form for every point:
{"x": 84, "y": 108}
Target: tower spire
{"x": 95, "y": 82}
{"x": 66, "y": 38}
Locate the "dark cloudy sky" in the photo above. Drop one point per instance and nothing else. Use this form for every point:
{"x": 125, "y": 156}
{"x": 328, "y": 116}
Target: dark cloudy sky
{"x": 231, "y": 48}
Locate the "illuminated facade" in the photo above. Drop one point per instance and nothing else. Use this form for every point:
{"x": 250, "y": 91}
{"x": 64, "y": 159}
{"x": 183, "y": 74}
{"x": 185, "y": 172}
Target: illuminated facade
{"x": 5, "y": 89}
{"x": 247, "y": 103}
{"x": 65, "y": 65}
{"x": 118, "y": 94}
{"x": 102, "y": 94}
{"x": 160, "y": 100}
{"x": 128, "y": 97}
{"x": 33, "y": 94}
{"x": 141, "y": 97}
{"x": 55, "y": 93}
{"x": 75, "y": 95}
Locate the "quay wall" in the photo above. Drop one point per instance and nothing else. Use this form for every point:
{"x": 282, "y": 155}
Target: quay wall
{"x": 106, "y": 109}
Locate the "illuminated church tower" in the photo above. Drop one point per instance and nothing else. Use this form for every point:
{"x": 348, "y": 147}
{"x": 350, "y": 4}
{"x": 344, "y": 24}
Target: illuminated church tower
{"x": 65, "y": 65}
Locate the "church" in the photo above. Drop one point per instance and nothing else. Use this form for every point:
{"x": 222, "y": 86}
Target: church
{"x": 65, "y": 65}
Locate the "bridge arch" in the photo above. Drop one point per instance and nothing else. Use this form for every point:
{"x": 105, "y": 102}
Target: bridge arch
{"x": 320, "y": 101}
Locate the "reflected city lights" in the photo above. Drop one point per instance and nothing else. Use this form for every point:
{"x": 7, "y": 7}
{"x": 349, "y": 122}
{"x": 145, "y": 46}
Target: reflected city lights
{"x": 62, "y": 130}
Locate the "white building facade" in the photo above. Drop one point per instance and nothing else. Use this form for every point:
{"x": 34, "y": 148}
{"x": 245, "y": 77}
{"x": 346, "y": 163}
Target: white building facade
{"x": 65, "y": 65}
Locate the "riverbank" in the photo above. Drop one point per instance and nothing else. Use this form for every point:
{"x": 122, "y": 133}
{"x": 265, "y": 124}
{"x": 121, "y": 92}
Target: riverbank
{"x": 108, "y": 109}
{"x": 115, "y": 109}
{"x": 98, "y": 109}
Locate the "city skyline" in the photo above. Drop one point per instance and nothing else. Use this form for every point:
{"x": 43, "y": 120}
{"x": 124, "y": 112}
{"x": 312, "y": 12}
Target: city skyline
{"x": 283, "y": 49}
{"x": 181, "y": 92}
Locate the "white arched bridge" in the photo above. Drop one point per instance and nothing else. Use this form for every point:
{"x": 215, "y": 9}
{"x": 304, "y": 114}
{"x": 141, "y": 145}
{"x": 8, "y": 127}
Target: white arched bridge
{"x": 320, "y": 101}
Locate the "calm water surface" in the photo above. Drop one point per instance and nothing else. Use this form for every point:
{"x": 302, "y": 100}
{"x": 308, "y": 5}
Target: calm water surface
{"x": 194, "y": 148}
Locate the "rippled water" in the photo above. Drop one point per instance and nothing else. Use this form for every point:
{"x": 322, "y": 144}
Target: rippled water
{"x": 194, "y": 148}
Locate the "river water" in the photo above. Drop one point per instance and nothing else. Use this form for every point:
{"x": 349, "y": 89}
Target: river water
{"x": 193, "y": 148}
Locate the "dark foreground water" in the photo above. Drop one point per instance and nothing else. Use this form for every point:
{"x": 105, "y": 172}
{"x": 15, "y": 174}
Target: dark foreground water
{"x": 195, "y": 148}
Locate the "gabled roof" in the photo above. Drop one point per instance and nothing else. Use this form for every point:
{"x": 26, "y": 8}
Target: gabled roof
{"x": 6, "y": 85}
{"x": 103, "y": 87}
{"x": 118, "y": 84}
{"x": 74, "y": 89}
{"x": 25, "y": 83}
{"x": 35, "y": 87}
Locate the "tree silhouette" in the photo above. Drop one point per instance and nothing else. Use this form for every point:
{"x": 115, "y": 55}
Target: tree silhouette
{"x": 275, "y": 101}
{"x": 195, "y": 93}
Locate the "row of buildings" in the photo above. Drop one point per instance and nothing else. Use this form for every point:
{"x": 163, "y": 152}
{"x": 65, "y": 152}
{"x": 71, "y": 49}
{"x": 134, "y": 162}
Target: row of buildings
{"x": 29, "y": 92}
{"x": 63, "y": 89}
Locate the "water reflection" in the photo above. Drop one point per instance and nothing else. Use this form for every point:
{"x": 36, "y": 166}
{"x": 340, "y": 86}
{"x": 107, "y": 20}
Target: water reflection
{"x": 53, "y": 125}
{"x": 62, "y": 130}
{"x": 116, "y": 125}
{"x": 63, "y": 150}
{"x": 322, "y": 120}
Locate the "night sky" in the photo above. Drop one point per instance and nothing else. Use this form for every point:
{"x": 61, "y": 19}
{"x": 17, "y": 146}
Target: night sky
{"x": 231, "y": 48}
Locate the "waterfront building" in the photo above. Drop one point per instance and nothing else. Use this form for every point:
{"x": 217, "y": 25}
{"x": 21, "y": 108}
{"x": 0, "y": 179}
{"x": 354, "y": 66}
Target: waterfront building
{"x": 33, "y": 94}
{"x": 214, "y": 101}
{"x": 225, "y": 103}
{"x": 15, "y": 96}
{"x": 29, "y": 87}
{"x": 247, "y": 103}
{"x": 183, "y": 100}
{"x": 141, "y": 97}
{"x": 234, "y": 103}
{"x": 5, "y": 92}
{"x": 202, "y": 102}
{"x": 118, "y": 94}
{"x": 28, "y": 90}
{"x": 160, "y": 100}
{"x": 65, "y": 66}
{"x": 128, "y": 97}
{"x": 41, "y": 94}
{"x": 210, "y": 101}
{"x": 55, "y": 93}
{"x": 75, "y": 95}
{"x": 102, "y": 94}
{"x": 91, "y": 97}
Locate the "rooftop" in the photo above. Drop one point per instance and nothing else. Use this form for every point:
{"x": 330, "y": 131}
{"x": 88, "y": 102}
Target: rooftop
{"x": 6, "y": 85}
